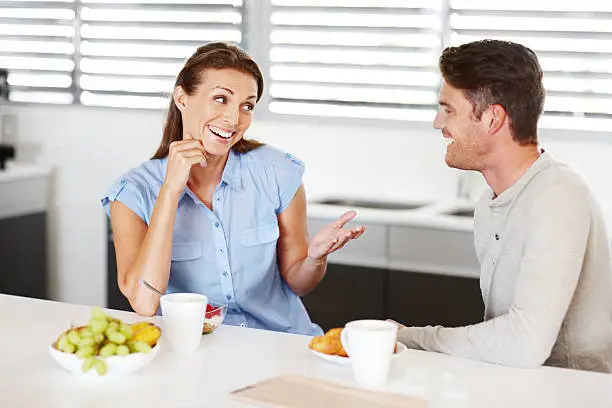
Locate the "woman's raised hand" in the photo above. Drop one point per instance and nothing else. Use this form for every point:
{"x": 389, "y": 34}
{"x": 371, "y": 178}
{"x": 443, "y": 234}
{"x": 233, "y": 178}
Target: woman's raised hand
{"x": 182, "y": 156}
{"x": 333, "y": 237}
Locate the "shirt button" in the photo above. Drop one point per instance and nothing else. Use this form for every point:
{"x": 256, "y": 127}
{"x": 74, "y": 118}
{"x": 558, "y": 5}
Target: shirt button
{"x": 218, "y": 198}
{"x": 228, "y": 297}
{"x": 242, "y": 324}
{"x": 216, "y": 225}
{"x": 221, "y": 249}
{"x": 225, "y": 274}
{"x": 497, "y": 237}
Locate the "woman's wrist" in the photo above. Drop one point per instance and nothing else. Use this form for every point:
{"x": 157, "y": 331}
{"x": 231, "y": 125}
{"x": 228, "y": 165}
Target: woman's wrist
{"x": 315, "y": 261}
{"x": 169, "y": 194}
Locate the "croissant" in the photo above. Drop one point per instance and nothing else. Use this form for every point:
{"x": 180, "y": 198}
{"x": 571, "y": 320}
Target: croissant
{"x": 329, "y": 343}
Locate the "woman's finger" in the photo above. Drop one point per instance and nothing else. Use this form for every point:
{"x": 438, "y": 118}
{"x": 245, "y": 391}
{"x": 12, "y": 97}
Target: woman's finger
{"x": 343, "y": 239}
{"x": 183, "y": 145}
{"x": 346, "y": 217}
{"x": 192, "y": 153}
{"x": 197, "y": 159}
{"x": 360, "y": 233}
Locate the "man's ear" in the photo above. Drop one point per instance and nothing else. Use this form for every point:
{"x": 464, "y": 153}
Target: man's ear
{"x": 180, "y": 98}
{"x": 496, "y": 118}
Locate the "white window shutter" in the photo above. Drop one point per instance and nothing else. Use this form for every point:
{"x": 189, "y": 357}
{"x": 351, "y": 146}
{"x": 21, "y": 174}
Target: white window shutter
{"x": 357, "y": 58}
{"x": 131, "y": 51}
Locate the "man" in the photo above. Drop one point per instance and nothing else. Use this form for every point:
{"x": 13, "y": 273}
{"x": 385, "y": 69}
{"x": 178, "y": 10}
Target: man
{"x": 539, "y": 234}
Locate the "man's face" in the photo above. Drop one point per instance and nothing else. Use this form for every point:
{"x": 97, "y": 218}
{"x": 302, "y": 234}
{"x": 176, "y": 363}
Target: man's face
{"x": 466, "y": 135}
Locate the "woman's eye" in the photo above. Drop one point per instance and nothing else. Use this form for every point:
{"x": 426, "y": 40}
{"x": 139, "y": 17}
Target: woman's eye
{"x": 220, "y": 99}
{"x": 248, "y": 107}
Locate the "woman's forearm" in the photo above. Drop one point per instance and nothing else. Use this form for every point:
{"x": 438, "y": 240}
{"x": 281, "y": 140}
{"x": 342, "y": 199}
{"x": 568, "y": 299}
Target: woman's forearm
{"x": 154, "y": 257}
{"x": 306, "y": 274}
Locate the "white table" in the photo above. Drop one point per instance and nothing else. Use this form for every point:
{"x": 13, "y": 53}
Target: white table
{"x": 233, "y": 357}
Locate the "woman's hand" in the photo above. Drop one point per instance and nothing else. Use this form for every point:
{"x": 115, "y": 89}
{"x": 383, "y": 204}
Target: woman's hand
{"x": 333, "y": 237}
{"x": 182, "y": 156}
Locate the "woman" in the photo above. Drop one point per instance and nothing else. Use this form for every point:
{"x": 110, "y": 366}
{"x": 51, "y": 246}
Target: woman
{"x": 218, "y": 214}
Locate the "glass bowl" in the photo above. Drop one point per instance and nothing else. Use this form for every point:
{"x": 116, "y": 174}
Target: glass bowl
{"x": 214, "y": 317}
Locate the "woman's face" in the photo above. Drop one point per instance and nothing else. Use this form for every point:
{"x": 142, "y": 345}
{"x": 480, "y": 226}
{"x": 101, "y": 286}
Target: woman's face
{"x": 221, "y": 109}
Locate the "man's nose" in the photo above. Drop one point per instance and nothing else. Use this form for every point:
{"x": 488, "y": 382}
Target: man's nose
{"x": 437, "y": 123}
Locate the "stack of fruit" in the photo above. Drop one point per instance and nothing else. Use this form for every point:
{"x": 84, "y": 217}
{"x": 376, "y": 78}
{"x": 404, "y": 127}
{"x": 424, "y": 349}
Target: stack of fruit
{"x": 106, "y": 336}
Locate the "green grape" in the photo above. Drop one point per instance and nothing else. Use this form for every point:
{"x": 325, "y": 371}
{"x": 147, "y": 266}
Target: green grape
{"x": 86, "y": 332}
{"x": 87, "y": 364}
{"x": 86, "y": 342}
{"x": 97, "y": 312}
{"x": 108, "y": 350}
{"x": 126, "y": 330}
{"x": 141, "y": 347}
{"x": 123, "y": 350}
{"x": 98, "y": 325}
{"x": 73, "y": 337}
{"x": 83, "y": 352}
{"x": 98, "y": 337}
{"x": 100, "y": 366}
{"x": 62, "y": 341}
{"x": 68, "y": 348}
{"x": 116, "y": 337}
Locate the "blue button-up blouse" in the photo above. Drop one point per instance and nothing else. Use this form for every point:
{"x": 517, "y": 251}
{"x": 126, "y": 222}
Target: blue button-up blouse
{"x": 229, "y": 253}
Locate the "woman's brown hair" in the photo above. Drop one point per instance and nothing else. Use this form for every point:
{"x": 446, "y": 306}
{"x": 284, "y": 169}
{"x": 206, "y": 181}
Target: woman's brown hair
{"x": 215, "y": 55}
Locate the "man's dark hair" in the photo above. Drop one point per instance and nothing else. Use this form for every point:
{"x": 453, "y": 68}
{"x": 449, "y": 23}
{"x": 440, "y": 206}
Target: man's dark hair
{"x": 499, "y": 72}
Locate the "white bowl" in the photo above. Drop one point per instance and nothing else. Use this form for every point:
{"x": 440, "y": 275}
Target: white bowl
{"x": 115, "y": 365}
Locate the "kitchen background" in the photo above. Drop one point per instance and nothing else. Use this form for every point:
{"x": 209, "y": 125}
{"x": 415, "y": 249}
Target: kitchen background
{"x": 352, "y": 87}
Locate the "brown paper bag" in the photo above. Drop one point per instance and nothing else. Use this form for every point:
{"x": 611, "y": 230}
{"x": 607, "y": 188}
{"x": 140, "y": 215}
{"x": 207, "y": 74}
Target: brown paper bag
{"x": 296, "y": 391}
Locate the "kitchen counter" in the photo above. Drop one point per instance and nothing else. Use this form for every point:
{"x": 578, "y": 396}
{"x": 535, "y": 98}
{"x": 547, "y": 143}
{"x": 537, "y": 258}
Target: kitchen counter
{"x": 24, "y": 204}
{"x": 23, "y": 189}
{"x": 234, "y": 357}
{"x": 426, "y": 239}
{"x": 429, "y": 215}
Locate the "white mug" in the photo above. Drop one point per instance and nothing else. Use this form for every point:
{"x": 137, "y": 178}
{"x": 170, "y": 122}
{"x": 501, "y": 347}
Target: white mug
{"x": 370, "y": 345}
{"x": 183, "y": 316}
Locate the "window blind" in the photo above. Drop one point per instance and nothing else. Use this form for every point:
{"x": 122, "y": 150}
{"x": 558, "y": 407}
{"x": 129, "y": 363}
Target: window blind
{"x": 131, "y": 51}
{"x": 36, "y": 47}
{"x": 354, "y": 58}
{"x": 573, "y": 41}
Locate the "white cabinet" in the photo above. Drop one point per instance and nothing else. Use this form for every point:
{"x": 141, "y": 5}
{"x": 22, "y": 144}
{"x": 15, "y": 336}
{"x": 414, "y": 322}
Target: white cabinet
{"x": 433, "y": 250}
{"x": 23, "y": 231}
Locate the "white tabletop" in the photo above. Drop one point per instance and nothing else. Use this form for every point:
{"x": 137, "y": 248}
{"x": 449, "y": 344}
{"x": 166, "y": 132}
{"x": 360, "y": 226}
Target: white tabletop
{"x": 233, "y": 357}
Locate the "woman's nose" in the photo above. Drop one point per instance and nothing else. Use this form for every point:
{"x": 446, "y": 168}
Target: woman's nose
{"x": 231, "y": 115}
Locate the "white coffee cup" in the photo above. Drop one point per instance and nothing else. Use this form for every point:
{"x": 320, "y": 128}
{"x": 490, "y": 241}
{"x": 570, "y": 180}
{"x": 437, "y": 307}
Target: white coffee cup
{"x": 183, "y": 316}
{"x": 370, "y": 345}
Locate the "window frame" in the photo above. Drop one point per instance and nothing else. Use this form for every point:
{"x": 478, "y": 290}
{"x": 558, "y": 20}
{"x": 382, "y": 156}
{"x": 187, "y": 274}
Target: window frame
{"x": 256, "y": 29}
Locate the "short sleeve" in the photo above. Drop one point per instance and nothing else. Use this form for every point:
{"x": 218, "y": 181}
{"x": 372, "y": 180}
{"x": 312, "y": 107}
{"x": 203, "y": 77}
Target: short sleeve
{"x": 129, "y": 193}
{"x": 289, "y": 172}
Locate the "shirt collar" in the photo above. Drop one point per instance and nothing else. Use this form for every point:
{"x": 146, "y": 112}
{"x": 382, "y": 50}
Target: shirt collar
{"x": 232, "y": 176}
{"x": 507, "y": 196}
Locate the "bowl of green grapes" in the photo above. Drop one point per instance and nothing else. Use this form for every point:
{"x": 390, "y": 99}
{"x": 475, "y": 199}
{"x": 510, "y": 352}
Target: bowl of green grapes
{"x": 106, "y": 346}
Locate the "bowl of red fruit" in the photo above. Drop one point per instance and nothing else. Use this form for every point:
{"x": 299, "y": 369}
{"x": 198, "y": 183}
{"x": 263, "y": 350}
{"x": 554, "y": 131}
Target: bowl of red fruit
{"x": 214, "y": 317}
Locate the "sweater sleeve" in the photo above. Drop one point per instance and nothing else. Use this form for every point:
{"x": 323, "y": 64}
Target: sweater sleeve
{"x": 557, "y": 231}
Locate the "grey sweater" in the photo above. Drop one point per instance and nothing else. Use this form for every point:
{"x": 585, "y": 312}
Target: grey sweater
{"x": 546, "y": 279}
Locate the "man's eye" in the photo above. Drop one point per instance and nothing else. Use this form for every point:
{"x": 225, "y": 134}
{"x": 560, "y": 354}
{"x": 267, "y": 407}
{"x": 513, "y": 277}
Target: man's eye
{"x": 248, "y": 107}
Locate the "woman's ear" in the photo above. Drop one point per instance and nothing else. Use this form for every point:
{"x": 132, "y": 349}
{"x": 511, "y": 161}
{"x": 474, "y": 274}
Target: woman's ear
{"x": 180, "y": 98}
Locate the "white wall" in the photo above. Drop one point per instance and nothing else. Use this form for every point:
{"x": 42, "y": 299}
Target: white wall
{"x": 89, "y": 147}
